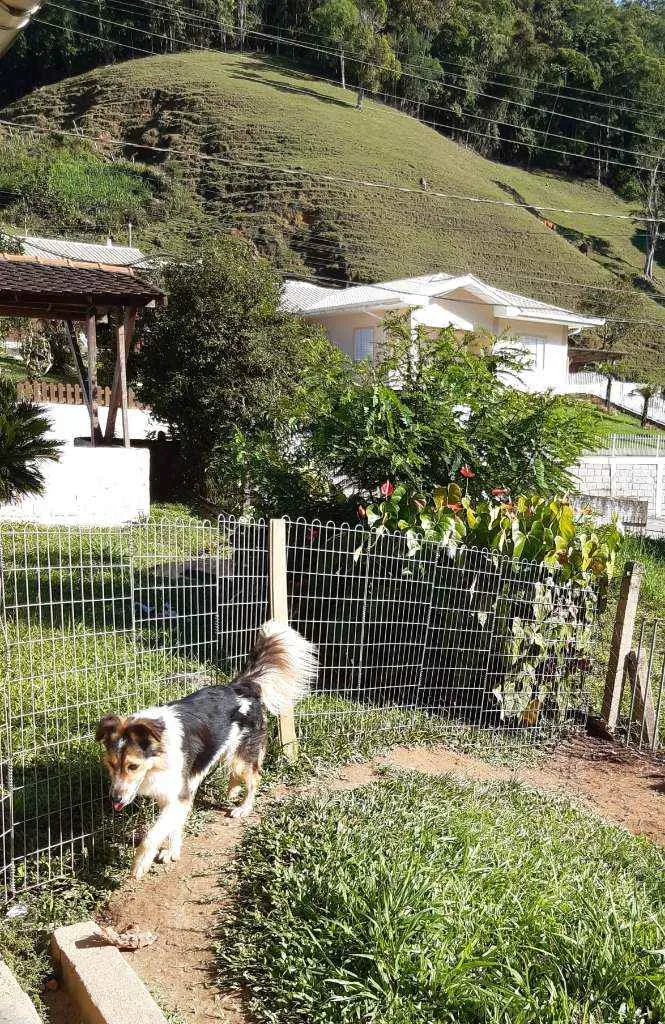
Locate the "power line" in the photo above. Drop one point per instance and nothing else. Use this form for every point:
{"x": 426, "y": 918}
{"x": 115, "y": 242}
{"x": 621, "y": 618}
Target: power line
{"x": 201, "y": 19}
{"x": 525, "y": 302}
{"x": 530, "y": 145}
{"x": 341, "y": 179}
{"x": 358, "y": 60}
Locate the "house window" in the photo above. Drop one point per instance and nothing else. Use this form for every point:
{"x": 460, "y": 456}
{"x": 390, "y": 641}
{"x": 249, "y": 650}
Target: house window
{"x": 535, "y": 347}
{"x": 363, "y": 343}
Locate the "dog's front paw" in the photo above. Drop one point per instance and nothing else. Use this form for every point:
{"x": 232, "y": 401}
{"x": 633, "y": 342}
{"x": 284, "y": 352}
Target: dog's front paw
{"x": 169, "y": 855}
{"x": 142, "y": 863}
{"x": 243, "y": 811}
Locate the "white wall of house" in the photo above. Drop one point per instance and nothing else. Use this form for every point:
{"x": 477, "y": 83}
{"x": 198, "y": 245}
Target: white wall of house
{"x": 347, "y": 329}
{"x": 89, "y": 487}
{"x": 547, "y": 344}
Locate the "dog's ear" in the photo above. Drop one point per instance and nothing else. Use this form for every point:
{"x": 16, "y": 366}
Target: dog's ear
{"x": 108, "y": 729}
{"x": 146, "y": 733}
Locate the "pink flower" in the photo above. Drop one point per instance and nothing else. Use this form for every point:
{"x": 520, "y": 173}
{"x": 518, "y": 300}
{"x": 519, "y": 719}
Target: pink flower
{"x": 362, "y": 511}
{"x": 454, "y": 507}
{"x": 386, "y": 489}
{"x": 467, "y": 472}
{"x": 500, "y": 492}
{"x": 419, "y": 503}
{"x": 312, "y": 534}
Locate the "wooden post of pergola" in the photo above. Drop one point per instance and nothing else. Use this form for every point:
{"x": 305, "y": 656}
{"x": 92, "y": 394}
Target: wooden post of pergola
{"x": 119, "y": 394}
{"x": 93, "y": 408}
{"x": 78, "y": 292}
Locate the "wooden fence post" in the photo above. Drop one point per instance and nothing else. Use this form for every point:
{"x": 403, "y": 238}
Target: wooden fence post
{"x": 279, "y": 609}
{"x": 622, "y": 642}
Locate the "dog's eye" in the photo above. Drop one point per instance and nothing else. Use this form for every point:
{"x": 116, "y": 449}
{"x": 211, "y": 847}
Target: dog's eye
{"x": 132, "y": 767}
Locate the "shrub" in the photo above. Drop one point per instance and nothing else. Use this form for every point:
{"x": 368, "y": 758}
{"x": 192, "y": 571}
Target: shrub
{"x": 23, "y": 445}
{"x": 533, "y": 528}
{"x": 221, "y": 361}
{"x": 427, "y": 407}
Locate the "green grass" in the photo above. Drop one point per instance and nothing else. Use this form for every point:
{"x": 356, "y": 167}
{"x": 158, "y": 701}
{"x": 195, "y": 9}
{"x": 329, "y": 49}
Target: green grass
{"x": 419, "y": 900}
{"x": 15, "y": 369}
{"x": 229, "y": 106}
{"x": 617, "y": 422}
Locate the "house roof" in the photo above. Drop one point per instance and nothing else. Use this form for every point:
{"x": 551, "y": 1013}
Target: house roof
{"x": 417, "y": 292}
{"x": 66, "y": 289}
{"x": 14, "y": 15}
{"x": 85, "y": 252}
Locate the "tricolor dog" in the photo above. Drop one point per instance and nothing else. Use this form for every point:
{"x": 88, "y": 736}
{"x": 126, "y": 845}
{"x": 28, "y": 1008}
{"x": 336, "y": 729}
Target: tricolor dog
{"x": 165, "y": 752}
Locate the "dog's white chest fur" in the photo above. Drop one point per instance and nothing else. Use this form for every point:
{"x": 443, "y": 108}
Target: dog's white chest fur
{"x": 164, "y": 784}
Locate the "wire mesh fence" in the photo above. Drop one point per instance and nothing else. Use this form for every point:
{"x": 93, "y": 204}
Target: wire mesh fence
{"x": 94, "y": 622}
{"x": 641, "y": 721}
{"x": 437, "y": 640}
{"x": 412, "y": 646}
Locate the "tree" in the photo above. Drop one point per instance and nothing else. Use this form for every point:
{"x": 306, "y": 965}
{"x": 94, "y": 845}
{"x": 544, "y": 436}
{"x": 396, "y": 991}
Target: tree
{"x": 611, "y": 372}
{"x": 452, "y": 407}
{"x": 650, "y": 389}
{"x": 654, "y": 208}
{"x": 337, "y": 21}
{"x": 221, "y": 357}
{"x": 377, "y": 60}
{"x": 424, "y": 70}
{"x": 23, "y": 445}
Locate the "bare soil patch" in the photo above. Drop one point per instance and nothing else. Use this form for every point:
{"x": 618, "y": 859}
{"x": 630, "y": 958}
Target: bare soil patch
{"x": 182, "y": 904}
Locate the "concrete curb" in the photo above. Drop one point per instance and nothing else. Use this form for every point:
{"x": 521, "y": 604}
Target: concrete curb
{"x": 99, "y": 981}
{"x": 15, "y": 1006}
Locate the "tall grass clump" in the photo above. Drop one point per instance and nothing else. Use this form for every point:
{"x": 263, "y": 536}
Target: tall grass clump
{"x": 418, "y": 900}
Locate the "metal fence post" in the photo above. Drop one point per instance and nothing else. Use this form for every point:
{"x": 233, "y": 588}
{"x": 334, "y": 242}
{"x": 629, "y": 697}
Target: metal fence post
{"x": 622, "y": 640}
{"x": 279, "y": 609}
{"x": 6, "y": 753}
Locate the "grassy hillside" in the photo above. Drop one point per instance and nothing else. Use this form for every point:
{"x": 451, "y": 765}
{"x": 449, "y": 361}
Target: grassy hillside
{"x": 208, "y": 108}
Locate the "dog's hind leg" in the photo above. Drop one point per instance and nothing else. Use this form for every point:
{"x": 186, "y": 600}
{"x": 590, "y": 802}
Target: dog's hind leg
{"x": 235, "y": 779}
{"x": 248, "y": 775}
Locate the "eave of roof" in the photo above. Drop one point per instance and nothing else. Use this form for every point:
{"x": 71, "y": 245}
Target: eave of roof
{"x": 68, "y": 288}
{"x": 506, "y": 305}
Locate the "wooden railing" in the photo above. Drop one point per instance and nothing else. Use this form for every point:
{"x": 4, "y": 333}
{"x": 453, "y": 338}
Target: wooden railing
{"x": 56, "y": 393}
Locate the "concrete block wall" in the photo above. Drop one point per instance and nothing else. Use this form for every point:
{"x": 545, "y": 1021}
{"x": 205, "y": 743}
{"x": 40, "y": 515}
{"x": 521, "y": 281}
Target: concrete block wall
{"x": 89, "y": 487}
{"x": 629, "y": 511}
{"x": 640, "y": 477}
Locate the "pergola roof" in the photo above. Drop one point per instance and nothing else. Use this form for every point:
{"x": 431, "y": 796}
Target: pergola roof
{"x": 68, "y": 289}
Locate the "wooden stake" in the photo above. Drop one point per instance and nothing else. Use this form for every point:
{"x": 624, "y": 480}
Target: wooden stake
{"x": 91, "y": 333}
{"x": 119, "y": 397}
{"x": 279, "y": 609}
{"x": 622, "y": 642}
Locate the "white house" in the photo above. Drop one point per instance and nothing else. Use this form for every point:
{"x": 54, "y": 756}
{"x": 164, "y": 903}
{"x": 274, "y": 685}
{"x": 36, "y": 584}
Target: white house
{"x": 352, "y": 317}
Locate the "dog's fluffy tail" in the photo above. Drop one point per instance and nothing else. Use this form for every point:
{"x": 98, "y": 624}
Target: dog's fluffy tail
{"x": 283, "y": 664}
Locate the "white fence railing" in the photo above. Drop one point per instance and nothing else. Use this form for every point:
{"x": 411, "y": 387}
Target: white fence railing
{"x": 623, "y": 393}
{"x": 634, "y": 444}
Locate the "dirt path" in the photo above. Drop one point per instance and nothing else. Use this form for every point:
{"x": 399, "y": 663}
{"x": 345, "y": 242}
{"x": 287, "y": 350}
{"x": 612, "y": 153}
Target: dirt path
{"x": 182, "y": 905}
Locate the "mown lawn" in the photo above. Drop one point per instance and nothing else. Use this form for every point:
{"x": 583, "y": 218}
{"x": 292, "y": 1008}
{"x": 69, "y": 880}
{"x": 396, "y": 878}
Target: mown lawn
{"x": 418, "y": 900}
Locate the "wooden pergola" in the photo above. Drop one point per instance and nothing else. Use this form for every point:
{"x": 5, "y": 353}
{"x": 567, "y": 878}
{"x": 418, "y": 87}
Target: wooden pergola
{"x": 77, "y": 292}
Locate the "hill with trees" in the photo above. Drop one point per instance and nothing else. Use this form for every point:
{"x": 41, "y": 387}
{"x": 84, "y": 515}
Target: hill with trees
{"x": 193, "y": 144}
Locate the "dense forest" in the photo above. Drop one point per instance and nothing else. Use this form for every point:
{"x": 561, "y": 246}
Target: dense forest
{"x": 572, "y": 85}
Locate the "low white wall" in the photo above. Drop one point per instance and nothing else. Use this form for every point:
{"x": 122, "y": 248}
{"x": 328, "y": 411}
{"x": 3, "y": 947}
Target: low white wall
{"x": 71, "y": 421}
{"x": 89, "y": 487}
{"x": 641, "y": 477}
